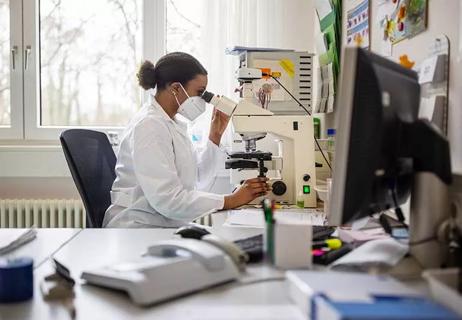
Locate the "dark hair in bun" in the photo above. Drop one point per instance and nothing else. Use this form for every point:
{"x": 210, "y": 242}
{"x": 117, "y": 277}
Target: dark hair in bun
{"x": 147, "y": 75}
{"x": 173, "y": 67}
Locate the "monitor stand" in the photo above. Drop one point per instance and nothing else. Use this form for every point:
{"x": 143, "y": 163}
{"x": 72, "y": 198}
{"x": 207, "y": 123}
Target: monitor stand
{"x": 429, "y": 213}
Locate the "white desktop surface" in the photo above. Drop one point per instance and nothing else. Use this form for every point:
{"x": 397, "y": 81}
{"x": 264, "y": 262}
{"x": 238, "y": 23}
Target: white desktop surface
{"x": 45, "y": 244}
{"x": 92, "y": 248}
{"x": 97, "y": 247}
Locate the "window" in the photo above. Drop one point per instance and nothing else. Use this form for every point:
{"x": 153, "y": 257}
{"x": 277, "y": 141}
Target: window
{"x": 5, "y": 104}
{"x": 66, "y": 63}
{"x": 184, "y": 27}
{"x": 205, "y": 28}
{"x": 11, "y": 85}
{"x": 89, "y": 52}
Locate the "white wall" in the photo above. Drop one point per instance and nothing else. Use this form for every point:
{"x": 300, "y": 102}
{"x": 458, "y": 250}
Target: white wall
{"x": 38, "y": 188}
{"x": 35, "y": 172}
{"x": 443, "y": 18}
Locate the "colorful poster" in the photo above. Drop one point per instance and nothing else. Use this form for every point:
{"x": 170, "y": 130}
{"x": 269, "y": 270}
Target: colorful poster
{"x": 403, "y": 19}
{"x": 358, "y": 25}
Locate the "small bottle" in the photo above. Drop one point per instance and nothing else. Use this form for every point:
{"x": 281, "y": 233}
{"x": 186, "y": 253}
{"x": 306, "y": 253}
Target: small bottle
{"x": 331, "y": 144}
{"x": 300, "y": 200}
{"x": 317, "y": 128}
{"x": 331, "y": 139}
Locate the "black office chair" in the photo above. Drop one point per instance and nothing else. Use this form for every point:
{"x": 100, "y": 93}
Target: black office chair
{"x": 91, "y": 161}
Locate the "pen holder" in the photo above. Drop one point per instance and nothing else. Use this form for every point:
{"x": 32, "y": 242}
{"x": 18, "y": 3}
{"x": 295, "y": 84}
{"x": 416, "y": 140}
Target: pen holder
{"x": 292, "y": 244}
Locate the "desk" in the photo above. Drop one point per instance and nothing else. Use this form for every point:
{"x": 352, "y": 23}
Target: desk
{"x": 47, "y": 242}
{"x": 96, "y": 247}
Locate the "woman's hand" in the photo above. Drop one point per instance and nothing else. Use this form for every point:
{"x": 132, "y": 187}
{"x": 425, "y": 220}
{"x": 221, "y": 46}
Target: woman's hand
{"x": 218, "y": 125}
{"x": 248, "y": 191}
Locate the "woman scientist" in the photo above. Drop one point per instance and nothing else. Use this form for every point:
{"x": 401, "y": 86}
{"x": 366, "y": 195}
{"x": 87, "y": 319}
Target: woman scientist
{"x": 160, "y": 180}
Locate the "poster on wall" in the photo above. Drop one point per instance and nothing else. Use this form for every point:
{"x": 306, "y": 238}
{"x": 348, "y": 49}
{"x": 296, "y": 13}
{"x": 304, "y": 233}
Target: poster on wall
{"x": 357, "y": 24}
{"x": 402, "y": 19}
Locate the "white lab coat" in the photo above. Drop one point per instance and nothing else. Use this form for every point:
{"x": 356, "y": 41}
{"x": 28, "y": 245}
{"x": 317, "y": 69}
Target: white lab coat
{"x": 160, "y": 178}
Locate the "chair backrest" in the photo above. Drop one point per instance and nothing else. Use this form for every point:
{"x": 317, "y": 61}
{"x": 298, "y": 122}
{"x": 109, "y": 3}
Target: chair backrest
{"x": 92, "y": 161}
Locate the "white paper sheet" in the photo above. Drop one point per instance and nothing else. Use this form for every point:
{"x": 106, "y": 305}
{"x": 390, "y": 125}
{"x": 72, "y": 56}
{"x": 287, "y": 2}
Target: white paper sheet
{"x": 349, "y": 287}
{"x": 323, "y": 8}
{"x": 427, "y": 108}
{"x": 427, "y": 70}
{"x": 10, "y": 239}
{"x": 321, "y": 44}
{"x": 254, "y": 217}
{"x": 375, "y": 253}
{"x": 245, "y": 312}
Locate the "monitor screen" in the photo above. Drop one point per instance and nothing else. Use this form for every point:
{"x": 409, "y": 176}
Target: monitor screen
{"x": 370, "y": 173}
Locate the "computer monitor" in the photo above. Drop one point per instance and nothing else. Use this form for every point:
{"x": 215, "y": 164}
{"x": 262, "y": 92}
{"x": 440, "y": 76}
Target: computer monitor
{"x": 380, "y": 142}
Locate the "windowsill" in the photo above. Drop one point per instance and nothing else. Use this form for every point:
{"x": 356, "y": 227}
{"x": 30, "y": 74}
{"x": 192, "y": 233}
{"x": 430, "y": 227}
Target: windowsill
{"x": 30, "y": 148}
{"x": 24, "y": 144}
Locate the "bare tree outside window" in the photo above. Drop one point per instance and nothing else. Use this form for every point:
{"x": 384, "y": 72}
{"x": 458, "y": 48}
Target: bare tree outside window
{"x": 184, "y": 33}
{"x": 184, "y": 26}
{"x": 5, "y": 107}
{"x": 90, "y": 51}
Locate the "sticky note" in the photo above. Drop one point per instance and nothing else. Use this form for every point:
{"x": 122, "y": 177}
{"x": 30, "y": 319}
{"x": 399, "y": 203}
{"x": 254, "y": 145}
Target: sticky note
{"x": 288, "y": 66}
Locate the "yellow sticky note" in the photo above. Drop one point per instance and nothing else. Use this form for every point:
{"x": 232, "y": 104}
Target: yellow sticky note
{"x": 288, "y": 66}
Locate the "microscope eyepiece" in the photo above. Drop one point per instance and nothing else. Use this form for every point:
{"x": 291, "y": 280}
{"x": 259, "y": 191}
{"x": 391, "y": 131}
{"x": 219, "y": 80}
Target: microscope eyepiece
{"x": 221, "y": 103}
{"x": 207, "y": 96}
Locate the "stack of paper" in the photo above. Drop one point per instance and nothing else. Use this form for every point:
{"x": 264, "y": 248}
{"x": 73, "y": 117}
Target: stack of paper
{"x": 361, "y": 236}
{"x": 254, "y": 217}
{"x": 10, "y": 239}
{"x": 380, "y": 253}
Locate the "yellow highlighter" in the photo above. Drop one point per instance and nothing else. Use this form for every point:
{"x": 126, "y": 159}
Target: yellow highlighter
{"x": 328, "y": 243}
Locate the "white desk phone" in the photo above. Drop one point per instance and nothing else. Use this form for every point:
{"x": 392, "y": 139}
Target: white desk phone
{"x": 172, "y": 268}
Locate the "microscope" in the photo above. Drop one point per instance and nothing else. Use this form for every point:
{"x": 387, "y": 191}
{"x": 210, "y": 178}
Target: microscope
{"x": 291, "y": 167}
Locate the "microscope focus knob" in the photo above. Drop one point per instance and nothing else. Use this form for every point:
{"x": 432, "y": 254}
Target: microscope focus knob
{"x": 306, "y": 177}
{"x": 279, "y": 188}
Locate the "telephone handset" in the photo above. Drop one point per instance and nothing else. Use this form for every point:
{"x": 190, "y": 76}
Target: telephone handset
{"x": 209, "y": 251}
{"x": 238, "y": 256}
{"x": 211, "y": 257}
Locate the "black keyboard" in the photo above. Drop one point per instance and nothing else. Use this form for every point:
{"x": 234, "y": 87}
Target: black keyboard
{"x": 253, "y": 246}
{"x": 322, "y": 232}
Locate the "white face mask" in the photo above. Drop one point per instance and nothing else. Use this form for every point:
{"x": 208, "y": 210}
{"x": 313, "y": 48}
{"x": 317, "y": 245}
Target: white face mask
{"x": 192, "y": 107}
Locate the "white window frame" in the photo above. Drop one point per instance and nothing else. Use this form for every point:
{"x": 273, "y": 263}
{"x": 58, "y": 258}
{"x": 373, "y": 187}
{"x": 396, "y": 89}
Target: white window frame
{"x": 25, "y": 101}
{"x": 16, "y": 128}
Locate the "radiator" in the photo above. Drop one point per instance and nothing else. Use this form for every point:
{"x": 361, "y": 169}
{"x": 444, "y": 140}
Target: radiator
{"x": 41, "y": 213}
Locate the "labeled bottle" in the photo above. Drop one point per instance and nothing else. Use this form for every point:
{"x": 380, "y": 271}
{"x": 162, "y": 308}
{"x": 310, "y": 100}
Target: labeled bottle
{"x": 331, "y": 144}
{"x": 331, "y": 139}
